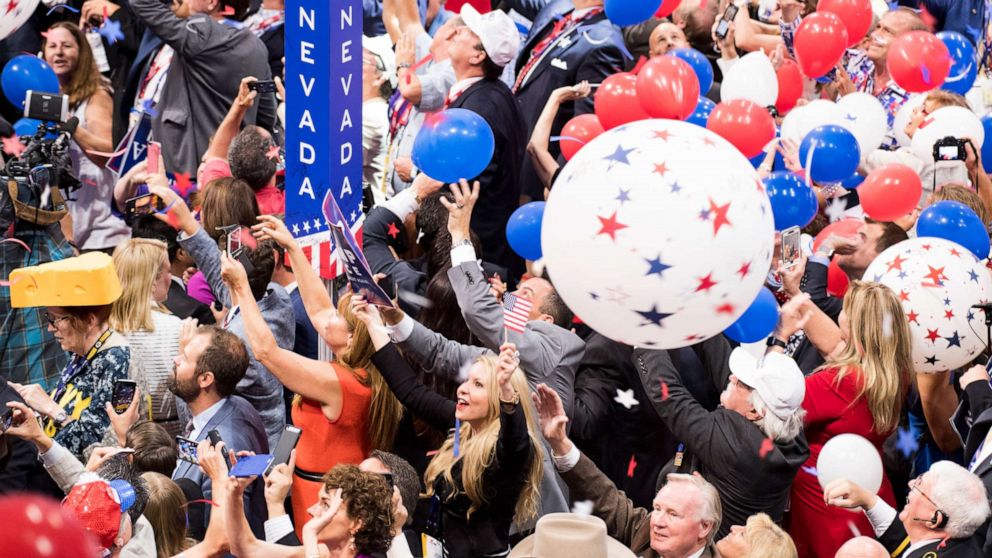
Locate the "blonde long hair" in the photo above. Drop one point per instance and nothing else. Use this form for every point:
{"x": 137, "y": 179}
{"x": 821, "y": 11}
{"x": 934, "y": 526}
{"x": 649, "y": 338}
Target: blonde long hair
{"x": 138, "y": 262}
{"x": 385, "y": 411}
{"x": 166, "y": 511}
{"x": 879, "y": 349}
{"x": 477, "y": 451}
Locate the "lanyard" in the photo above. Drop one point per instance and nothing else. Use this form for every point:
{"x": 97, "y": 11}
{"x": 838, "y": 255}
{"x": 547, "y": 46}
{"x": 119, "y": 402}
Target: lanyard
{"x": 77, "y": 364}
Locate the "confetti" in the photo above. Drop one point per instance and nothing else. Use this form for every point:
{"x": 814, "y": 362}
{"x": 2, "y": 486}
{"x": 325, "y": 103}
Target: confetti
{"x": 583, "y": 508}
{"x": 811, "y": 471}
{"x": 62, "y": 7}
{"x": 458, "y": 437}
{"x": 273, "y": 153}
{"x": 640, "y": 65}
{"x": 886, "y": 324}
{"x": 227, "y": 11}
{"x": 183, "y": 184}
{"x": 626, "y": 398}
{"x": 907, "y": 442}
{"x": 464, "y": 370}
{"x": 631, "y": 466}
{"x": 17, "y": 241}
{"x": 767, "y": 445}
{"x": 835, "y": 210}
{"x": 664, "y": 390}
{"x": 415, "y": 299}
{"x": 111, "y": 30}
{"x": 566, "y": 138}
{"x": 110, "y": 154}
{"x": 854, "y": 529}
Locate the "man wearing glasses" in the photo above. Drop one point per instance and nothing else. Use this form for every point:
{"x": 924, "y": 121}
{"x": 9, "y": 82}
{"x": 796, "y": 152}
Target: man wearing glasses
{"x": 944, "y": 509}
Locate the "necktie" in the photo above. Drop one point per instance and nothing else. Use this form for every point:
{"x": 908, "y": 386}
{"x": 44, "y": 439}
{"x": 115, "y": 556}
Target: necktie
{"x": 540, "y": 47}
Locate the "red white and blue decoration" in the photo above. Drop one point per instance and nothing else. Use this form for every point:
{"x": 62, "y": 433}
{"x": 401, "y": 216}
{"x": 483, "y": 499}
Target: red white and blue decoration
{"x": 937, "y": 282}
{"x": 674, "y": 229}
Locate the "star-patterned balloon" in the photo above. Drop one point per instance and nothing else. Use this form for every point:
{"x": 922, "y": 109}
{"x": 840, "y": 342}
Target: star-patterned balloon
{"x": 13, "y": 14}
{"x": 937, "y": 281}
{"x": 658, "y": 233}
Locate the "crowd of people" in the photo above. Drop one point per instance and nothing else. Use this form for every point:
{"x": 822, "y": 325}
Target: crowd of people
{"x": 477, "y": 416}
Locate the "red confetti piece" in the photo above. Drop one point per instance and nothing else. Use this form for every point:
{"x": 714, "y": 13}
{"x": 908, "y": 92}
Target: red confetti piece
{"x": 640, "y": 64}
{"x": 203, "y": 501}
{"x": 767, "y": 445}
{"x": 17, "y": 241}
{"x": 432, "y": 453}
{"x": 13, "y": 146}
{"x": 44, "y": 34}
{"x": 227, "y": 11}
{"x": 631, "y": 466}
{"x": 664, "y": 390}
{"x": 183, "y": 185}
{"x": 273, "y": 153}
{"x": 88, "y": 182}
{"x": 107, "y": 153}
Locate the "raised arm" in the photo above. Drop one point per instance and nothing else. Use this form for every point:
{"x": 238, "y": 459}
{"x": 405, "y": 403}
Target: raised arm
{"x": 537, "y": 147}
{"x": 187, "y": 36}
{"x": 231, "y": 124}
{"x": 401, "y": 16}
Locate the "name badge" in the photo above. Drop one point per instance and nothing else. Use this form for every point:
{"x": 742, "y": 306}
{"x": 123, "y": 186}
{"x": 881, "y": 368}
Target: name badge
{"x": 432, "y": 547}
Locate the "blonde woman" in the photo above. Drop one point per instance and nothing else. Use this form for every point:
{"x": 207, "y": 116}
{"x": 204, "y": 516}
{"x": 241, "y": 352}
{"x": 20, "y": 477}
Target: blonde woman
{"x": 486, "y": 474}
{"x": 166, "y": 511}
{"x": 344, "y": 407}
{"x": 760, "y": 538}
{"x": 859, "y": 390}
{"x": 143, "y": 268}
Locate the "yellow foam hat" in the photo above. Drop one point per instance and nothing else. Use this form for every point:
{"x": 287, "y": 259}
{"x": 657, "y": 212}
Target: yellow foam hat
{"x": 87, "y": 280}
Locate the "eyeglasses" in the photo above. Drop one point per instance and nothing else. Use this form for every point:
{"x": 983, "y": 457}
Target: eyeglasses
{"x": 54, "y": 321}
{"x": 914, "y": 485}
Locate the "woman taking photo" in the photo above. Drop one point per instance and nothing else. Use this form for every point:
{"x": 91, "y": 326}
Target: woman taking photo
{"x": 487, "y": 473}
{"x": 343, "y": 407}
{"x": 153, "y": 334}
{"x": 859, "y": 390}
{"x": 68, "y": 52}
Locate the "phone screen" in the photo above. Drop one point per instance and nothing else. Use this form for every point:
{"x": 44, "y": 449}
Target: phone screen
{"x": 6, "y": 420}
{"x": 187, "y": 449}
{"x": 142, "y": 205}
{"x": 251, "y": 466}
{"x": 234, "y": 242}
{"x": 123, "y": 395}
{"x": 790, "y": 246}
{"x": 154, "y": 150}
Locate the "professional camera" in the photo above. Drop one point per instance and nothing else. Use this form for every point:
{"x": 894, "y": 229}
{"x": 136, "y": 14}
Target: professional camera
{"x": 37, "y": 178}
{"x": 950, "y": 149}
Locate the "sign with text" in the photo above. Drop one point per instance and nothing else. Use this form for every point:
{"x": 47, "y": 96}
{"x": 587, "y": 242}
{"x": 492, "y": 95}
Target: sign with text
{"x": 356, "y": 268}
{"x": 323, "y": 122}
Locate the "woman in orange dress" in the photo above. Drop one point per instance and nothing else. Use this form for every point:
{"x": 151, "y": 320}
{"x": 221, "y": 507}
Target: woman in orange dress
{"x": 343, "y": 408}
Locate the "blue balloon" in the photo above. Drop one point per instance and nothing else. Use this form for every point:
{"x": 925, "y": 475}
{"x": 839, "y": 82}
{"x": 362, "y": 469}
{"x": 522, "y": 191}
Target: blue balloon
{"x": 700, "y": 64}
{"x": 523, "y": 230}
{"x": 27, "y": 72}
{"x": 964, "y": 68}
{"x": 630, "y": 12}
{"x": 26, "y": 126}
{"x": 703, "y": 109}
{"x": 987, "y": 146}
{"x": 793, "y": 201}
{"x": 758, "y": 321}
{"x": 852, "y": 181}
{"x": 836, "y": 154}
{"x": 454, "y": 144}
{"x": 956, "y": 222}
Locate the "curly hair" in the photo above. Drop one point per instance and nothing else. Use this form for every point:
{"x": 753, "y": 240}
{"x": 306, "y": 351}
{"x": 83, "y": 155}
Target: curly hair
{"x": 369, "y": 500}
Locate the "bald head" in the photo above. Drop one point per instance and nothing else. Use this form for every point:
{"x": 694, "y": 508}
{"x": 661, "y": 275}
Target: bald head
{"x": 862, "y": 547}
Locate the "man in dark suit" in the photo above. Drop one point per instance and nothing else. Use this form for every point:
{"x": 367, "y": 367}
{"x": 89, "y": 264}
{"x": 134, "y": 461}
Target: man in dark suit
{"x": 478, "y": 52}
{"x": 209, "y": 366}
{"x": 570, "y": 41}
{"x": 178, "y": 302}
{"x": 973, "y": 423}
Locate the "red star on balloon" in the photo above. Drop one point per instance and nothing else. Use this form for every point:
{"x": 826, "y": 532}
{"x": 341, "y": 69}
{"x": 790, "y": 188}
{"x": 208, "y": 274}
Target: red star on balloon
{"x": 912, "y": 317}
{"x": 744, "y": 269}
{"x": 610, "y": 226}
{"x": 13, "y": 146}
{"x": 662, "y": 135}
{"x": 705, "y": 283}
{"x": 948, "y": 314}
{"x": 936, "y": 275}
{"x": 955, "y": 253}
{"x": 725, "y": 308}
{"x": 721, "y": 215}
{"x": 896, "y": 263}
{"x": 661, "y": 169}
{"x": 932, "y": 335}
{"x": 904, "y": 296}
{"x": 392, "y": 231}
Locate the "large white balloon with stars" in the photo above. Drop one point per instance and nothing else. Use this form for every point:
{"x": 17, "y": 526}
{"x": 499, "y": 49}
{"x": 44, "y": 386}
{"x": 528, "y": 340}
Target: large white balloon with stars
{"x": 937, "y": 282}
{"x": 658, "y": 234}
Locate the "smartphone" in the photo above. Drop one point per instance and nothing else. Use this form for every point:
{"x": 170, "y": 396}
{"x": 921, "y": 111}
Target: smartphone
{"x": 234, "y": 245}
{"x": 123, "y": 395}
{"x": 251, "y": 465}
{"x": 791, "y": 249}
{"x": 154, "y": 151}
{"x": 263, "y": 86}
{"x": 143, "y": 205}
{"x": 724, "y": 26}
{"x": 284, "y": 448}
{"x": 187, "y": 449}
{"x": 388, "y": 286}
{"x": 215, "y": 439}
{"x": 389, "y": 480}
{"x": 6, "y": 420}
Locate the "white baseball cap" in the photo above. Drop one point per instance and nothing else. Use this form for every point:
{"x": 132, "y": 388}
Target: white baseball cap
{"x": 382, "y": 47}
{"x": 496, "y": 30}
{"x": 775, "y": 377}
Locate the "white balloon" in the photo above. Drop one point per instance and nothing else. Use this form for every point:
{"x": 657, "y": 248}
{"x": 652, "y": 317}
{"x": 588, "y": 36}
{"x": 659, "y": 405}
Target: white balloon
{"x": 851, "y": 457}
{"x": 753, "y": 78}
{"x": 801, "y": 120}
{"x": 957, "y": 122}
{"x": 13, "y": 20}
{"x": 937, "y": 282}
{"x": 864, "y": 116}
{"x": 903, "y": 116}
{"x": 658, "y": 234}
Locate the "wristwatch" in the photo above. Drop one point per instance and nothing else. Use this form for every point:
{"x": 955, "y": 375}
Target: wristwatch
{"x": 61, "y": 418}
{"x": 774, "y": 341}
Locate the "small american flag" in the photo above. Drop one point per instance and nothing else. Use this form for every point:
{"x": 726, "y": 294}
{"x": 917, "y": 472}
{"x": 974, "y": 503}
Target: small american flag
{"x": 516, "y": 312}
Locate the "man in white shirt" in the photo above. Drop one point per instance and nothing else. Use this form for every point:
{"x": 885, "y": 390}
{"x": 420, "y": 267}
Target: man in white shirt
{"x": 944, "y": 508}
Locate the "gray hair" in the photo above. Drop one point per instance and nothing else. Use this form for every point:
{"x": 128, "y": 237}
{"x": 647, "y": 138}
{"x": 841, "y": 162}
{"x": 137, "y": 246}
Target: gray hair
{"x": 710, "y": 509}
{"x": 961, "y": 496}
{"x": 775, "y": 428}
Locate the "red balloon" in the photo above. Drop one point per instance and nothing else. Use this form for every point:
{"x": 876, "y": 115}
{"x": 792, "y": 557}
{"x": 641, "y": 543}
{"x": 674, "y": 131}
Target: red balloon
{"x": 819, "y": 43}
{"x": 743, "y": 123}
{"x": 918, "y": 61}
{"x": 847, "y": 228}
{"x": 837, "y": 280}
{"x": 584, "y": 128}
{"x": 856, "y": 15}
{"x": 36, "y": 527}
{"x": 667, "y": 87}
{"x": 616, "y": 101}
{"x": 890, "y": 191}
{"x": 790, "y": 86}
{"x": 667, "y": 7}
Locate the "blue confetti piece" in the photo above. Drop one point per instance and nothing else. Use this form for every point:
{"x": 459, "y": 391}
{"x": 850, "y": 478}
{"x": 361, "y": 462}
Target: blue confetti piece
{"x": 523, "y": 29}
{"x": 62, "y": 7}
{"x": 111, "y": 31}
{"x": 458, "y": 437}
{"x": 565, "y": 138}
{"x": 811, "y": 470}
{"x": 907, "y": 441}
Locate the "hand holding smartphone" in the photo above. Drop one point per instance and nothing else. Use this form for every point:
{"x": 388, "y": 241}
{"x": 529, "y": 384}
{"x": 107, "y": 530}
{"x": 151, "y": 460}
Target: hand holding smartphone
{"x": 215, "y": 439}
{"x": 791, "y": 249}
{"x": 287, "y": 442}
{"x": 123, "y": 395}
{"x": 154, "y": 151}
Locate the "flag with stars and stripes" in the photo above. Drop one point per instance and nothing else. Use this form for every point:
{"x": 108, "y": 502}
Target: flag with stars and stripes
{"x": 516, "y": 312}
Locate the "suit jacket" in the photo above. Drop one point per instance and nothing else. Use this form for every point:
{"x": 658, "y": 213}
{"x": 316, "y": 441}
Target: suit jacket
{"x": 895, "y": 540}
{"x": 972, "y": 422}
{"x": 592, "y": 52}
{"x": 499, "y": 195}
{"x": 628, "y": 524}
{"x": 241, "y": 428}
{"x": 204, "y": 76}
{"x": 306, "y": 336}
{"x": 185, "y": 306}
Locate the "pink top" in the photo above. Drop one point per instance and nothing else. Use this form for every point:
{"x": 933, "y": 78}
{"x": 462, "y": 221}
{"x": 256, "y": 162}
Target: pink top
{"x": 199, "y": 289}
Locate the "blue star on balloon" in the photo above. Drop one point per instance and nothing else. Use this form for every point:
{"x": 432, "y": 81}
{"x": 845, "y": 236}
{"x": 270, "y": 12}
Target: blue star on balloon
{"x": 111, "y": 31}
{"x": 973, "y": 276}
{"x": 619, "y": 156}
{"x": 653, "y": 315}
{"x": 971, "y": 315}
{"x": 623, "y": 196}
{"x": 902, "y": 274}
{"x": 593, "y": 295}
{"x": 675, "y": 187}
{"x": 947, "y": 302}
{"x": 953, "y": 340}
{"x": 656, "y": 266}
{"x": 906, "y": 442}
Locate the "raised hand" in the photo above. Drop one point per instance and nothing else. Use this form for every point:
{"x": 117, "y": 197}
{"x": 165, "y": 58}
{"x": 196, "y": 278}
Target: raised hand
{"x": 272, "y": 227}
{"x": 460, "y": 211}
{"x": 552, "y": 416}
{"x": 506, "y": 364}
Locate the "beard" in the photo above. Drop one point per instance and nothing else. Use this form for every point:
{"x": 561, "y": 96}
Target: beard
{"x": 185, "y": 390}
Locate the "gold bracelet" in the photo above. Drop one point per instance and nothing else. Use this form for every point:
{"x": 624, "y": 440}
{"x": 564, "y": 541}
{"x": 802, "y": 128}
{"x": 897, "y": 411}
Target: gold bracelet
{"x": 516, "y": 399}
